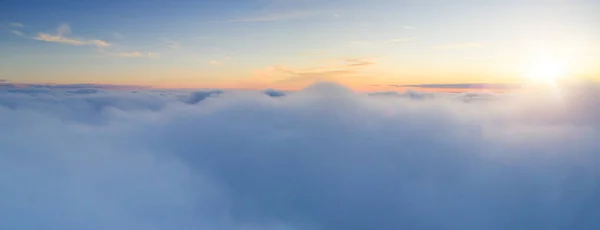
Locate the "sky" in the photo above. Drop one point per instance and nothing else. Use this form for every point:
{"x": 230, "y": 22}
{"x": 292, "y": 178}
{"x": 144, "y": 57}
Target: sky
{"x": 289, "y": 44}
{"x": 299, "y": 114}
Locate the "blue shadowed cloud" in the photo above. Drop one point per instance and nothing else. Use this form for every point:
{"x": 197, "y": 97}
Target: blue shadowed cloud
{"x": 321, "y": 158}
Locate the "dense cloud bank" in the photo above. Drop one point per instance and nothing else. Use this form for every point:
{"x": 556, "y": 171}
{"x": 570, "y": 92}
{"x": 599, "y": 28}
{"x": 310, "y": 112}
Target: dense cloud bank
{"x": 321, "y": 158}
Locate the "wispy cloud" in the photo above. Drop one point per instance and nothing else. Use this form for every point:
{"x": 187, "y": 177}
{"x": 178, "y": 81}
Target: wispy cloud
{"x": 118, "y": 35}
{"x": 221, "y": 61}
{"x": 18, "y": 33}
{"x": 70, "y": 41}
{"x": 459, "y": 46}
{"x": 152, "y": 55}
{"x": 346, "y": 68}
{"x": 61, "y": 37}
{"x": 16, "y": 24}
{"x": 174, "y": 45}
{"x": 358, "y": 62}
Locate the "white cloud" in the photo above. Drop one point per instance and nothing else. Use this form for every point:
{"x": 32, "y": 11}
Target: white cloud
{"x": 322, "y": 158}
{"x": 61, "y": 37}
{"x": 221, "y": 61}
{"x": 16, "y": 24}
{"x": 18, "y": 33}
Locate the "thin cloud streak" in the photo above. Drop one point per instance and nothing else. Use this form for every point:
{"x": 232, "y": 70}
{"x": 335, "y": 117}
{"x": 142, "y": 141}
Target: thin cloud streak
{"x": 61, "y": 37}
{"x": 16, "y": 24}
{"x": 70, "y": 41}
{"x": 18, "y": 33}
{"x": 174, "y": 45}
{"x": 347, "y": 67}
{"x": 218, "y": 61}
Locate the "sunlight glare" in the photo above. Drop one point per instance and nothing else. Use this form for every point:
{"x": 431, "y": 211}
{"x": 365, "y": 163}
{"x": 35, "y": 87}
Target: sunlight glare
{"x": 549, "y": 70}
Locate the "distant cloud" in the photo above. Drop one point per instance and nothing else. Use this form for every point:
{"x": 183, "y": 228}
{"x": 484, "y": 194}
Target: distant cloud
{"x": 18, "y": 33}
{"x": 60, "y": 37}
{"x": 70, "y": 41}
{"x": 174, "y": 45}
{"x": 358, "y": 62}
{"x": 153, "y": 55}
{"x": 218, "y": 61}
{"x": 459, "y": 46}
{"x": 408, "y": 27}
{"x": 16, "y": 24}
{"x": 118, "y": 35}
{"x": 346, "y": 68}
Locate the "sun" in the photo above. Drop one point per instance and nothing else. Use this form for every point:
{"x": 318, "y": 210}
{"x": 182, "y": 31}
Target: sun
{"x": 548, "y": 70}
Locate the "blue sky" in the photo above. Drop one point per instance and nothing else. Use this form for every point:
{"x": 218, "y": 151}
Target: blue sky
{"x": 290, "y": 43}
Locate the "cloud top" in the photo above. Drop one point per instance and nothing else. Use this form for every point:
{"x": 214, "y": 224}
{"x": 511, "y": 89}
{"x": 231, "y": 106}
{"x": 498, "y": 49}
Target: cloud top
{"x": 321, "y": 158}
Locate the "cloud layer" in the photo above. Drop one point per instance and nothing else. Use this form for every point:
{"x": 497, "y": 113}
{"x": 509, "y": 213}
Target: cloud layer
{"x": 321, "y": 158}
